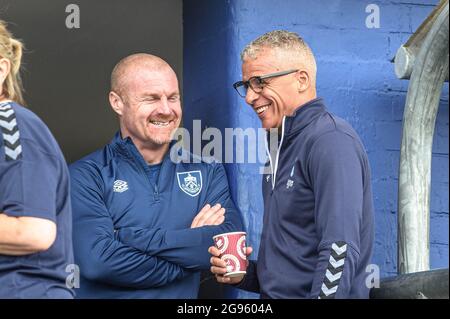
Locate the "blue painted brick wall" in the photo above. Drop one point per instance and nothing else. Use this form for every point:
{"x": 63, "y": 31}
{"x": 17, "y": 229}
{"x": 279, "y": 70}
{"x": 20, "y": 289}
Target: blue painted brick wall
{"x": 355, "y": 76}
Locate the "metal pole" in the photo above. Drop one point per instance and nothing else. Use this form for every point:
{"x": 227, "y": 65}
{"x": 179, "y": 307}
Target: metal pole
{"x": 430, "y": 71}
{"x": 407, "y": 53}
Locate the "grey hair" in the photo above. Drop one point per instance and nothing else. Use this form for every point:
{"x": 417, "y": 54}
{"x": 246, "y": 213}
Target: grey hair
{"x": 283, "y": 42}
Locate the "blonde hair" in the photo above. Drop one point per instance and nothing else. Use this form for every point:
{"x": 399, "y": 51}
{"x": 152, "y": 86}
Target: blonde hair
{"x": 292, "y": 47}
{"x": 11, "y": 49}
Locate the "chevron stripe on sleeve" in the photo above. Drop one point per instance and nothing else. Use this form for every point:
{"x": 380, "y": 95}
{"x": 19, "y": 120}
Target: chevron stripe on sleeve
{"x": 334, "y": 270}
{"x": 10, "y": 132}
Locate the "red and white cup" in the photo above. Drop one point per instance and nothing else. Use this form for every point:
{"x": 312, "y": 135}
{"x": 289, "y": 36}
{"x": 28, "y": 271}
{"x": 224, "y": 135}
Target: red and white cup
{"x": 232, "y": 251}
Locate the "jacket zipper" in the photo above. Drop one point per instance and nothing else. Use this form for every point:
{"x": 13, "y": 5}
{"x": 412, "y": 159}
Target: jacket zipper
{"x": 274, "y": 171}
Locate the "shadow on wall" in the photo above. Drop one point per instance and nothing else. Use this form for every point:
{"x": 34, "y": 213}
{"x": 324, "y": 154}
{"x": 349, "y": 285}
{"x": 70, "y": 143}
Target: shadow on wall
{"x": 67, "y": 69}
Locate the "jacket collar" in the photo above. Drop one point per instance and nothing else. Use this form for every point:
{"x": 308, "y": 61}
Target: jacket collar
{"x": 303, "y": 116}
{"x": 126, "y": 147}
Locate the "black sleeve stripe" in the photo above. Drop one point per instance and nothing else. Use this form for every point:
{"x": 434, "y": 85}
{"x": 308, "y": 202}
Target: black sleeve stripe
{"x": 10, "y": 132}
{"x": 7, "y": 116}
{"x": 334, "y": 270}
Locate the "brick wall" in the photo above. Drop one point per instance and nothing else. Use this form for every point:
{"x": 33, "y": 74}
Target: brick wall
{"x": 355, "y": 77}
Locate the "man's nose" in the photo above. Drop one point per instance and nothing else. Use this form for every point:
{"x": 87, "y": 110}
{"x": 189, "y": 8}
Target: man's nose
{"x": 164, "y": 107}
{"x": 251, "y": 96}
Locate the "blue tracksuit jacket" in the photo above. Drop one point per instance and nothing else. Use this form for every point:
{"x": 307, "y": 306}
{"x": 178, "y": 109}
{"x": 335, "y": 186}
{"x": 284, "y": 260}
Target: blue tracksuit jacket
{"x": 318, "y": 232}
{"x": 132, "y": 237}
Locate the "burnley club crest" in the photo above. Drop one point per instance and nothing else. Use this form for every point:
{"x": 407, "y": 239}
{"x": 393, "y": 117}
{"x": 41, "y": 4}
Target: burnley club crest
{"x": 190, "y": 182}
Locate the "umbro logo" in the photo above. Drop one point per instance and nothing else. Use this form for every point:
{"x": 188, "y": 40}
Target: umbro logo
{"x": 120, "y": 186}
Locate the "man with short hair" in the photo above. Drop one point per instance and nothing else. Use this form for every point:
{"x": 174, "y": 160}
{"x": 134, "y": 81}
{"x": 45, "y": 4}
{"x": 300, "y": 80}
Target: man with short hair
{"x": 142, "y": 222}
{"x": 317, "y": 233}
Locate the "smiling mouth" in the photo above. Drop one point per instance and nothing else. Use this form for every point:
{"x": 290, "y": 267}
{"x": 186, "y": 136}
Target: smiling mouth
{"x": 160, "y": 123}
{"x": 260, "y": 110}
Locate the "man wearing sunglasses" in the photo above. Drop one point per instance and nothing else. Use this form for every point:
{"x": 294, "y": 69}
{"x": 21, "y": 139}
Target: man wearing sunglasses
{"x": 317, "y": 233}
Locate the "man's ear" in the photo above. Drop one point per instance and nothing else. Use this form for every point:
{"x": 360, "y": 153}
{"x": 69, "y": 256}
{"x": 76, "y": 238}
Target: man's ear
{"x": 5, "y": 68}
{"x": 303, "y": 81}
{"x": 116, "y": 102}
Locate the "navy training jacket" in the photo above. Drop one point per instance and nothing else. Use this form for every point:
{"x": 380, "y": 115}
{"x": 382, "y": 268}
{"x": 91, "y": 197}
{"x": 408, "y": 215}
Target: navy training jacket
{"x": 132, "y": 237}
{"x": 318, "y": 226}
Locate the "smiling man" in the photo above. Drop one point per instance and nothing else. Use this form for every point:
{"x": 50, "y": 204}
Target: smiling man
{"x": 142, "y": 223}
{"x": 317, "y": 233}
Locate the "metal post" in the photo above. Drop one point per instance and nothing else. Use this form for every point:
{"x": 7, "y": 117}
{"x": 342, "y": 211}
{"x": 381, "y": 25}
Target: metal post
{"x": 429, "y": 72}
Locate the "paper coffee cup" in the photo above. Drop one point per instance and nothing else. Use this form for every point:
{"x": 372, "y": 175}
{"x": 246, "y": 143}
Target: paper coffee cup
{"x": 232, "y": 251}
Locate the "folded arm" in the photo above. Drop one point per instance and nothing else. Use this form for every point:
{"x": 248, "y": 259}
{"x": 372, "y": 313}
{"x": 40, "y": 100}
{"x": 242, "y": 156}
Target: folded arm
{"x": 188, "y": 248}
{"x": 99, "y": 253}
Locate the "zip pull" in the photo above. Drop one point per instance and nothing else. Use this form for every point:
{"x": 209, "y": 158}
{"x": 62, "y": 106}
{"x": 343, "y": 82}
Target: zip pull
{"x": 274, "y": 166}
{"x": 156, "y": 193}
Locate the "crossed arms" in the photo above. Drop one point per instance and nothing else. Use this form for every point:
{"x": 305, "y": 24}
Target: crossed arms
{"x": 143, "y": 258}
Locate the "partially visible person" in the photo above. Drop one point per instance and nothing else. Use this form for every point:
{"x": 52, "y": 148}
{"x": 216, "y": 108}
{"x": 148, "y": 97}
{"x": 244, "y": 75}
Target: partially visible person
{"x": 35, "y": 209}
{"x": 318, "y": 226}
{"x": 143, "y": 220}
